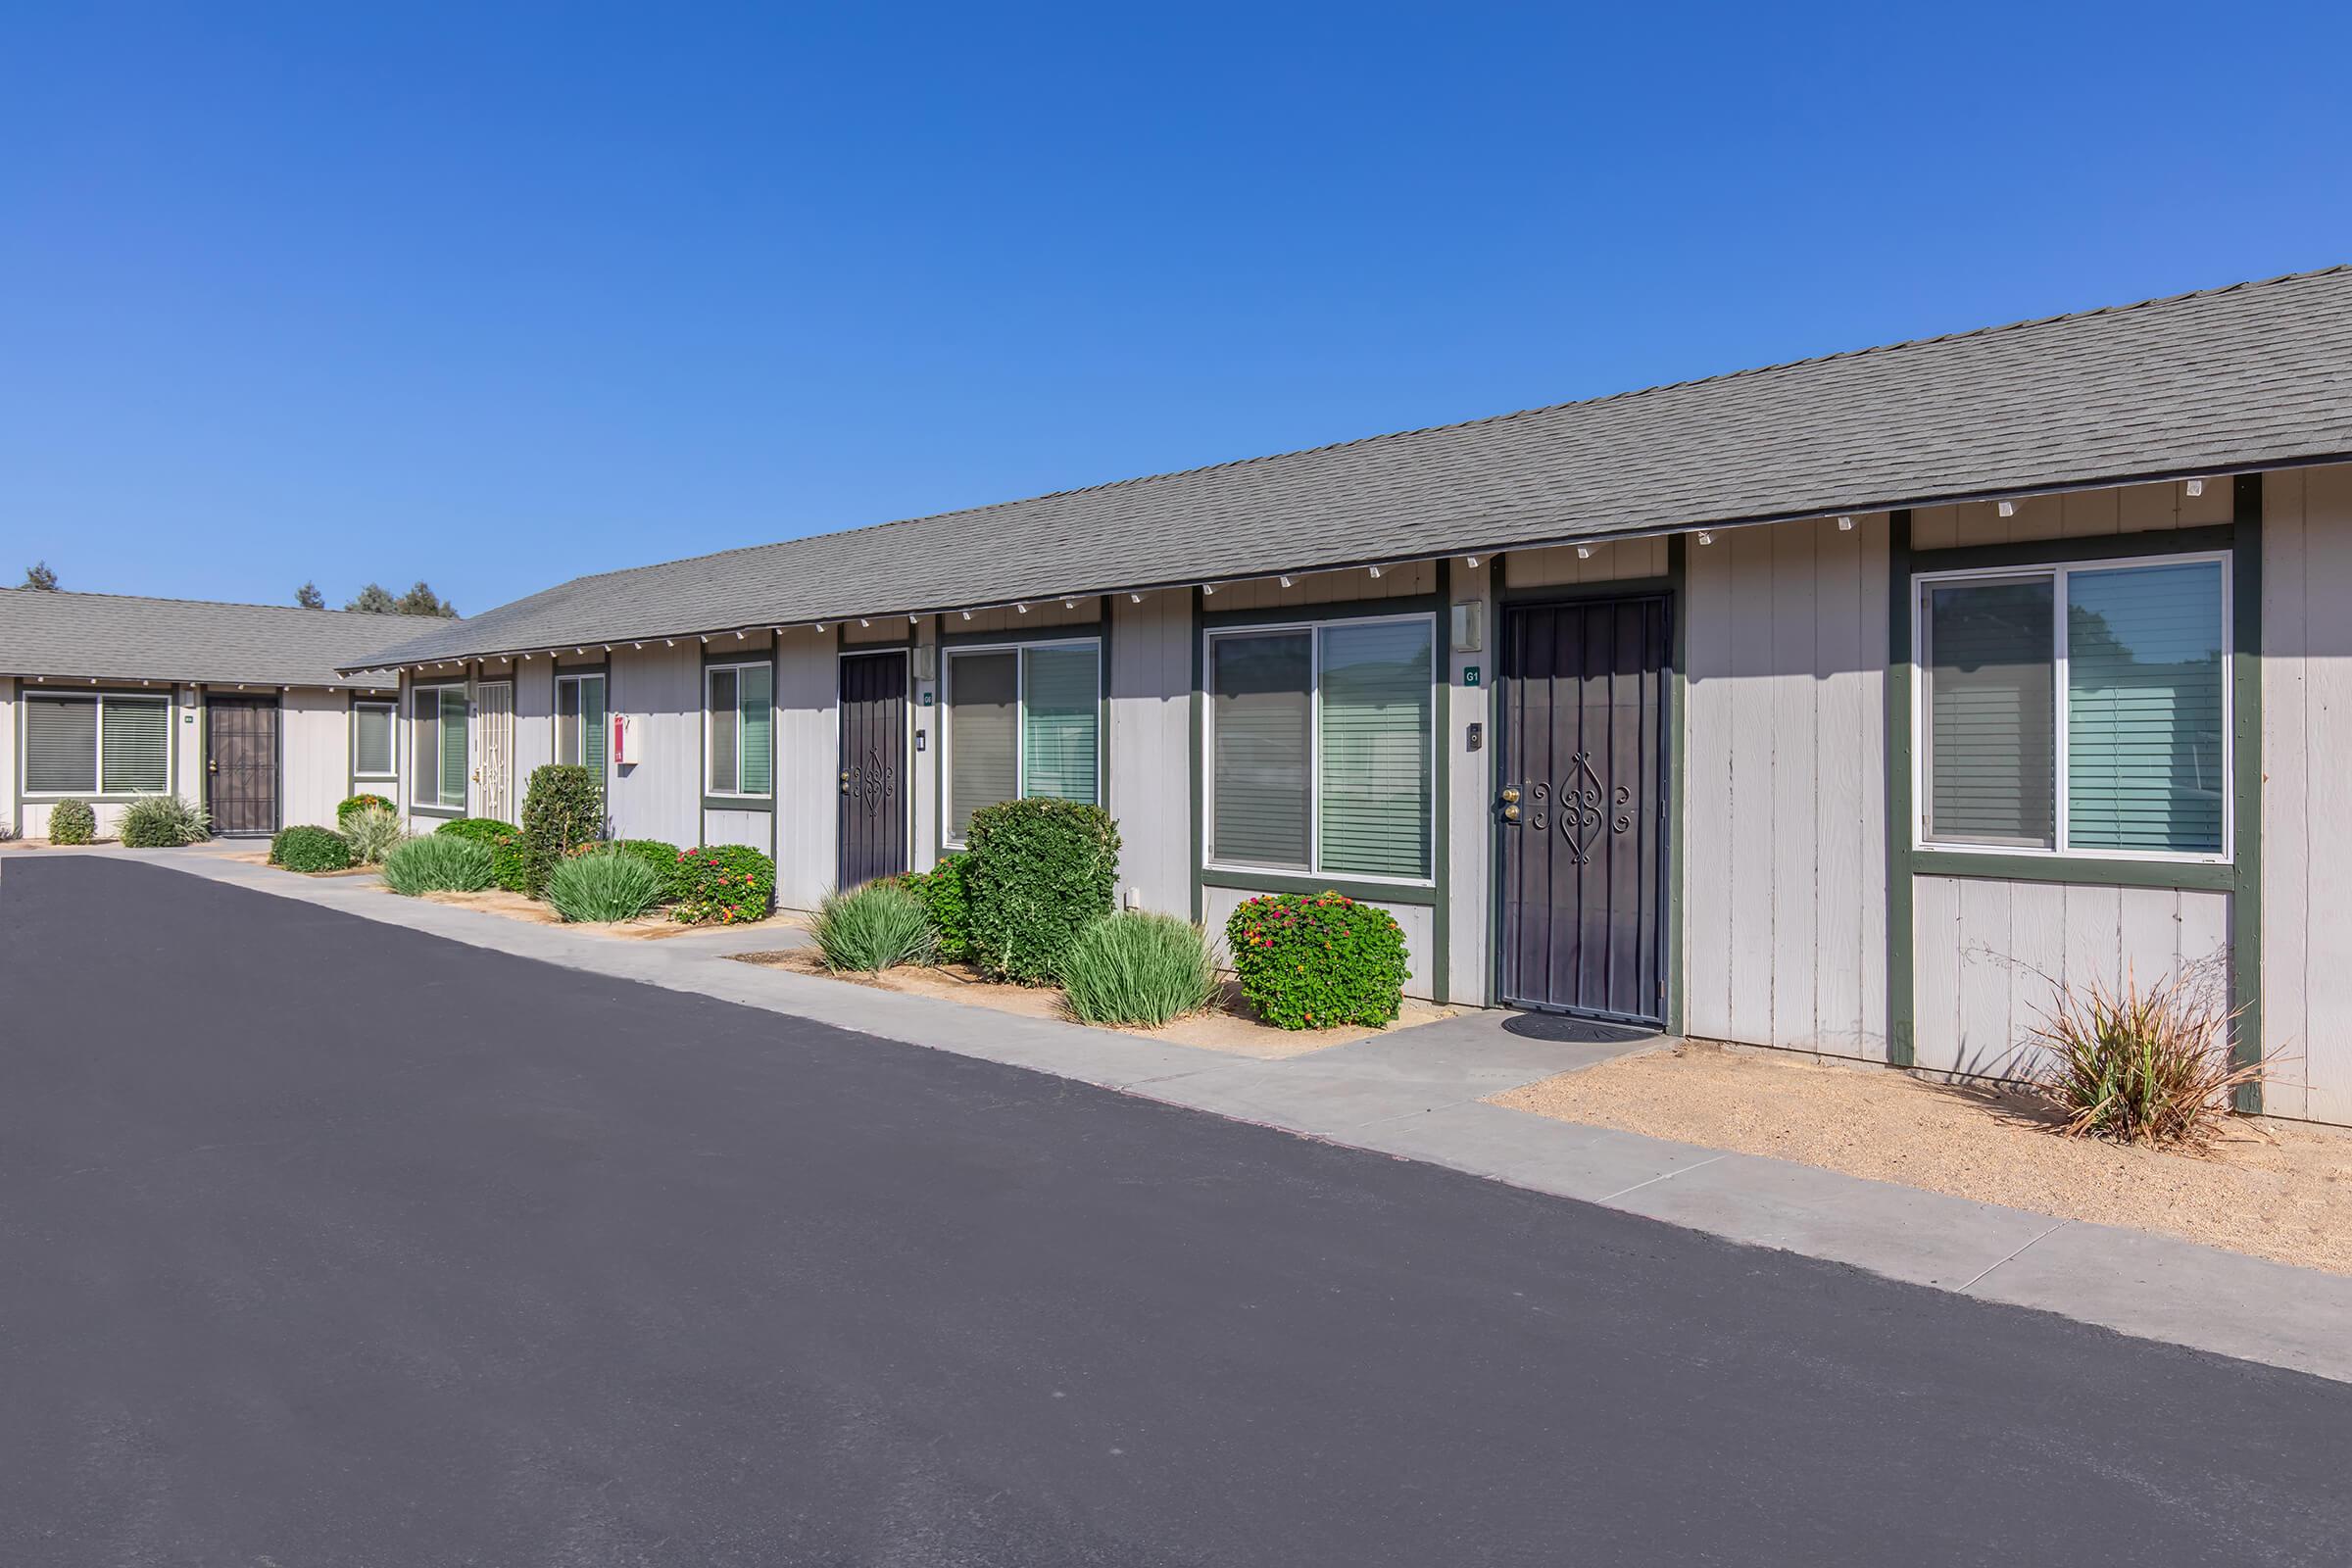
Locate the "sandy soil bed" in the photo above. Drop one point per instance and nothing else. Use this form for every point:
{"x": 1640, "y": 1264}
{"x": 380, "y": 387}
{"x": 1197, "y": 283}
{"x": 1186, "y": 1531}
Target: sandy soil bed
{"x": 1230, "y": 1030}
{"x": 261, "y": 857}
{"x": 654, "y": 927}
{"x": 2278, "y": 1190}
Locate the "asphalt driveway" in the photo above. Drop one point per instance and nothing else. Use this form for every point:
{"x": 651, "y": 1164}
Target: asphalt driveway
{"x": 327, "y": 1241}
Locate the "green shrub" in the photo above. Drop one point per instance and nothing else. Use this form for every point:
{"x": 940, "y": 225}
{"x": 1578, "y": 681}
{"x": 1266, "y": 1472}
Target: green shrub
{"x": 873, "y": 928}
{"x": 1315, "y": 961}
{"x": 1138, "y": 969}
{"x": 363, "y": 803}
{"x": 562, "y": 810}
{"x": 1038, "y": 873}
{"x": 437, "y": 863}
{"x": 943, "y": 893}
{"x": 724, "y": 884}
{"x": 509, "y": 867}
{"x": 310, "y": 848}
{"x": 667, "y": 862}
{"x": 2141, "y": 1065}
{"x": 372, "y": 833}
{"x": 72, "y": 823}
{"x": 604, "y": 885}
{"x": 164, "y": 822}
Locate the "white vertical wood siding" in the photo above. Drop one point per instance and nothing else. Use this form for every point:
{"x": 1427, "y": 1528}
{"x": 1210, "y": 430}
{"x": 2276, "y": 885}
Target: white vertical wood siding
{"x": 1218, "y": 904}
{"x": 1151, "y": 747}
{"x": 1992, "y": 956}
{"x": 188, "y": 745}
{"x": 1621, "y": 560}
{"x": 1784, "y": 841}
{"x": 808, "y": 763}
{"x": 737, "y": 827}
{"x": 534, "y": 723}
{"x": 1470, "y": 783}
{"x": 662, "y": 796}
{"x": 2307, "y": 789}
{"x": 923, "y": 852}
{"x": 315, "y": 752}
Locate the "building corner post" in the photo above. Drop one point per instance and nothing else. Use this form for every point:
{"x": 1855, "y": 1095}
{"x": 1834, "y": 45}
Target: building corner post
{"x": 2245, "y": 673}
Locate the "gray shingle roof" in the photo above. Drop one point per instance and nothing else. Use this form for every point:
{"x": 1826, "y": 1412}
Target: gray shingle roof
{"x": 2230, "y": 378}
{"x": 120, "y": 637}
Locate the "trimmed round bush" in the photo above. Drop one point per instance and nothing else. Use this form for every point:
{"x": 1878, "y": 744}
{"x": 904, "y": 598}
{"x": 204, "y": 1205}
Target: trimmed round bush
{"x": 509, "y": 867}
{"x": 437, "y": 863}
{"x": 602, "y": 886}
{"x": 562, "y": 810}
{"x": 72, "y": 823}
{"x": 1318, "y": 960}
{"x": 372, "y": 833}
{"x": 873, "y": 928}
{"x": 664, "y": 860}
{"x": 362, "y": 802}
{"x": 1038, "y": 872}
{"x": 723, "y": 884}
{"x": 943, "y": 893}
{"x": 164, "y": 822}
{"x": 310, "y": 848}
{"x": 1140, "y": 969}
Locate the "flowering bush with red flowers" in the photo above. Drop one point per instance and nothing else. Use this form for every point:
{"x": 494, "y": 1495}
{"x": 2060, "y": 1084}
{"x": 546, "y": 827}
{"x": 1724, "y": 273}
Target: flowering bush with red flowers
{"x": 726, "y": 884}
{"x": 1317, "y": 961}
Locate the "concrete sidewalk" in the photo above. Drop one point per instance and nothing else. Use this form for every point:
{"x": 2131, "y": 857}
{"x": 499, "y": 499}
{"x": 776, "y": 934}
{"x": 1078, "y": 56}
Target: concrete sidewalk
{"x": 1419, "y": 1093}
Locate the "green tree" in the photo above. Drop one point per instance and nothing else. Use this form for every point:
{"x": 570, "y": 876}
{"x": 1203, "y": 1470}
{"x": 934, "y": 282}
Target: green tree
{"x": 374, "y": 600}
{"x": 38, "y": 575}
{"x": 309, "y": 597}
{"x": 422, "y": 600}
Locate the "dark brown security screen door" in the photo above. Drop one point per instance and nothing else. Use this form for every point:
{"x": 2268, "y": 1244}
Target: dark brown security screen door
{"x": 873, "y": 764}
{"x": 241, "y": 751}
{"x": 1584, "y": 808}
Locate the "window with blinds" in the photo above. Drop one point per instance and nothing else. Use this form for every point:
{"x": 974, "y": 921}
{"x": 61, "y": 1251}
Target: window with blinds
{"x": 1321, "y": 748}
{"x": 1374, "y": 767}
{"x": 60, "y": 745}
{"x": 1022, "y": 722}
{"x": 2079, "y": 707}
{"x": 135, "y": 739}
{"x": 739, "y": 716}
{"x": 439, "y": 745}
{"x": 580, "y": 723}
{"x": 1992, "y": 770}
{"x": 371, "y": 740}
{"x": 2144, "y": 682}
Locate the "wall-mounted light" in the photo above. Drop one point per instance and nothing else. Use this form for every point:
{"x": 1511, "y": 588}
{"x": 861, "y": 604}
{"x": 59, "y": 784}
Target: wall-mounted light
{"x": 968, "y": 614}
{"x": 1584, "y": 552}
{"x": 1471, "y": 561}
{"x": 1846, "y": 525}
{"x": 2007, "y": 509}
{"x": 2195, "y": 487}
{"x": 1705, "y": 538}
{"x": 1023, "y": 609}
{"x": 1208, "y": 588}
{"x": 1135, "y": 598}
{"x": 1374, "y": 570}
{"x": 862, "y": 621}
{"x": 1285, "y": 581}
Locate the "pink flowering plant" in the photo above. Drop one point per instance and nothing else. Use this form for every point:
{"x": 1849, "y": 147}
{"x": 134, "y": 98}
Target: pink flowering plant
{"x": 1317, "y": 961}
{"x": 726, "y": 884}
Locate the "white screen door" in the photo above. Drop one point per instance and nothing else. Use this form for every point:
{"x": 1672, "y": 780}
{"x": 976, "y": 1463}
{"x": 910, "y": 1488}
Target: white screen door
{"x": 494, "y": 725}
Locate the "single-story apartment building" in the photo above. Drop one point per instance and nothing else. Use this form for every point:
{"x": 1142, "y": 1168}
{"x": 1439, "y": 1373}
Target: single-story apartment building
{"x": 1850, "y": 706}
{"x": 240, "y": 708}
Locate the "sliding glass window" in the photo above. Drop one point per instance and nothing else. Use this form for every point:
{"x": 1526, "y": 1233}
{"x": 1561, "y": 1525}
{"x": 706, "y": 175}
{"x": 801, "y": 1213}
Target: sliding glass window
{"x": 739, "y": 717}
{"x": 440, "y": 750}
{"x": 580, "y": 723}
{"x": 1022, "y": 722}
{"x": 109, "y": 743}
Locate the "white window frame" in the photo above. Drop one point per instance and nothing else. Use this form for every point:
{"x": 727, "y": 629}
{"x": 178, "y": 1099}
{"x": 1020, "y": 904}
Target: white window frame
{"x": 738, "y": 794}
{"x": 2057, "y": 574}
{"x": 1314, "y": 747}
{"x": 392, "y": 712}
{"x": 98, "y": 792}
{"x": 603, "y": 678}
{"x": 1020, "y": 720}
{"x": 435, "y": 803}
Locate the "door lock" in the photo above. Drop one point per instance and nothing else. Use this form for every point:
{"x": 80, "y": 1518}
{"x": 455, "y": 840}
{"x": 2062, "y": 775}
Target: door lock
{"x": 1510, "y": 813}
{"x": 1510, "y": 797}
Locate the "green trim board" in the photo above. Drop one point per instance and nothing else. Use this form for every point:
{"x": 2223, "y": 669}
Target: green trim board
{"x": 1678, "y": 568}
{"x": 1193, "y": 734}
{"x": 709, "y": 803}
{"x": 2241, "y": 876}
{"x": 1420, "y": 896}
{"x": 2245, "y": 900}
{"x": 1440, "y": 856}
{"x": 1902, "y": 905}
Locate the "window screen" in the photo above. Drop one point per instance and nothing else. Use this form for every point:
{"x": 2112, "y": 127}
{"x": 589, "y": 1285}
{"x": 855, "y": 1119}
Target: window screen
{"x": 983, "y": 733}
{"x": 726, "y": 741}
{"x": 60, "y": 745}
{"x": 371, "y": 740}
{"x": 2144, "y": 767}
{"x": 1376, "y": 741}
{"x": 137, "y": 741}
{"x": 1992, "y": 777}
{"x": 1260, "y": 715}
{"x": 1060, "y": 698}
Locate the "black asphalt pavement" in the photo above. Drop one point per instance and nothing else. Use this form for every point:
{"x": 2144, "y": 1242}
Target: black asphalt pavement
{"x": 322, "y": 1242}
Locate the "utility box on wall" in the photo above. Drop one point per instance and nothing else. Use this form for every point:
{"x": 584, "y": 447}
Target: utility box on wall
{"x": 624, "y": 740}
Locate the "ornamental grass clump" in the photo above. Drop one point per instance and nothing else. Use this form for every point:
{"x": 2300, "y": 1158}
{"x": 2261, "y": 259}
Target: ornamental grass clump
{"x": 943, "y": 892}
{"x": 869, "y": 929}
{"x": 73, "y": 821}
{"x": 310, "y": 848}
{"x": 602, "y": 886}
{"x": 2147, "y": 1066}
{"x": 510, "y": 868}
{"x": 438, "y": 862}
{"x": 362, "y": 802}
{"x": 1138, "y": 969}
{"x": 372, "y": 834}
{"x": 1319, "y": 960}
{"x": 164, "y": 822}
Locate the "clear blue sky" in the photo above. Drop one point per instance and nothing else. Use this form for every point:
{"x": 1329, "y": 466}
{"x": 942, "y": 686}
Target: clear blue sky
{"x": 496, "y": 294}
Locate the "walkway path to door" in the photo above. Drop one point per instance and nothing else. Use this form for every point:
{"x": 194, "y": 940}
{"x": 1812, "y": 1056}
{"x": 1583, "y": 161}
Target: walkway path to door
{"x": 1420, "y": 1094}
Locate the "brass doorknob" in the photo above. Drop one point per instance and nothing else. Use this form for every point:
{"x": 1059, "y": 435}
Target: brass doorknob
{"x": 1510, "y": 813}
{"x": 1510, "y": 796}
